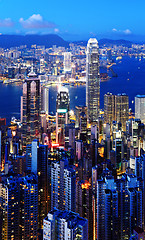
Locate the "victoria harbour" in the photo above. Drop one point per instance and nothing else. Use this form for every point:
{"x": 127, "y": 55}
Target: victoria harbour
{"x": 130, "y": 80}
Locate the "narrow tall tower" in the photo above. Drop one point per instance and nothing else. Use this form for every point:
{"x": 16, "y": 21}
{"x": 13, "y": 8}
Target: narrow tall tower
{"x": 30, "y": 108}
{"x": 62, "y": 113}
{"x": 92, "y": 80}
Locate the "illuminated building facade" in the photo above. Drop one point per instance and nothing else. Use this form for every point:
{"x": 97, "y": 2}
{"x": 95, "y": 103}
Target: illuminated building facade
{"x": 63, "y": 186}
{"x": 62, "y": 114}
{"x": 68, "y": 225}
{"x": 140, "y": 107}
{"x": 45, "y": 99}
{"x": 67, "y": 62}
{"x": 92, "y": 80}
{"x": 84, "y": 204}
{"x": 30, "y": 108}
{"x": 19, "y": 207}
{"x": 122, "y": 109}
{"x": 37, "y": 162}
{"x": 109, "y": 108}
{"x": 116, "y": 107}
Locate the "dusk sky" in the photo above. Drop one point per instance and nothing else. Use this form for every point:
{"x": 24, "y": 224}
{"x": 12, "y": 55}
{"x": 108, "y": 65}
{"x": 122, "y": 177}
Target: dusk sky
{"x": 74, "y": 20}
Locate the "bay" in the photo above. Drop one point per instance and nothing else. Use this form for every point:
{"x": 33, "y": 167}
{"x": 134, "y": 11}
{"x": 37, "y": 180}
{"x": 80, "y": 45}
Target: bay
{"x": 130, "y": 80}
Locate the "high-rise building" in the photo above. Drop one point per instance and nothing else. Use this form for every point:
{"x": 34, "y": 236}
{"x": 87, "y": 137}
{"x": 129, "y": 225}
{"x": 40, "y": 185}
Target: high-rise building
{"x": 119, "y": 206}
{"x": 84, "y": 204}
{"x": 109, "y": 108}
{"x": 37, "y": 162}
{"x": 43, "y": 184}
{"x": 30, "y": 108}
{"x": 64, "y": 225}
{"x": 63, "y": 186}
{"x": 92, "y": 80}
{"x": 122, "y": 109}
{"x": 62, "y": 113}
{"x": 67, "y": 62}
{"x": 78, "y": 111}
{"x": 45, "y": 100}
{"x": 116, "y": 107}
{"x": 140, "y": 107}
{"x": 19, "y": 207}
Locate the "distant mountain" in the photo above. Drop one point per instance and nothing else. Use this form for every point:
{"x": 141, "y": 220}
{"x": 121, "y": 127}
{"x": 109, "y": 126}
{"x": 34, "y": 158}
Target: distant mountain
{"x": 122, "y": 42}
{"x": 8, "y": 41}
{"x": 108, "y": 42}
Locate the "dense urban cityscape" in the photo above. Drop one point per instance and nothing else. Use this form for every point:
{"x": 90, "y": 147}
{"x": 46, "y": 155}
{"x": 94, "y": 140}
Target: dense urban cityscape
{"x": 71, "y": 174}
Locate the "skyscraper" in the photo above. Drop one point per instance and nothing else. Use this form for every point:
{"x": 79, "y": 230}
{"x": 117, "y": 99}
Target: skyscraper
{"x": 63, "y": 186}
{"x": 62, "y": 113}
{"x": 140, "y": 107}
{"x": 109, "y": 108}
{"x": 122, "y": 109}
{"x": 19, "y": 207}
{"x": 67, "y": 61}
{"x": 84, "y": 204}
{"x": 37, "y": 162}
{"x": 45, "y": 99}
{"x": 30, "y": 108}
{"x": 92, "y": 80}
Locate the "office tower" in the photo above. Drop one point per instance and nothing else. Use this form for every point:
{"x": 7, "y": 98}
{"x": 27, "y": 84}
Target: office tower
{"x": 44, "y": 124}
{"x": 79, "y": 149}
{"x": 62, "y": 113}
{"x": 63, "y": 186}
{"x": 109, "y": 108}
{"x": 78, "y": 111}
{"x": 119, "y": 152}
{"x": 45, "y": 100}
{"x": 92, "y": 80}
{"x": 140, "y": 107}
{"x": 19, "y": 205}
{"x": 135, "y": 133}
{"x": 30, "y": 108}
{"x": 67, "y": 62}
{"x": 83, "y": 127}
{"x": 122, "y": 109}
{"x": 64, "y": 225}
{"x": 84, "y": 204}
{"x": 70, "y": 136}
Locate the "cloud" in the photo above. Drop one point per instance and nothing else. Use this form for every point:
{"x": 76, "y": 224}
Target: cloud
{"x": 56, "y": 30}
{"x": 36, "y": 21}
{"x": 7, "y": 22}
{"x": 114, "y": 30}
{"x": 126, "y": 32}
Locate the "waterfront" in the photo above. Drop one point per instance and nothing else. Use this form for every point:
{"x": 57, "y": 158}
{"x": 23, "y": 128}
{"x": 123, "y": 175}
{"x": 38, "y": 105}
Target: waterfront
{"x": 131, "y": 80}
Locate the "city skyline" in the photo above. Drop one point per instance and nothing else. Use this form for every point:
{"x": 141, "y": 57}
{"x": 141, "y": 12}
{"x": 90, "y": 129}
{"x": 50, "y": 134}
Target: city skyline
{"x": 74, "y": 21}
{"x": 73, "y": 173}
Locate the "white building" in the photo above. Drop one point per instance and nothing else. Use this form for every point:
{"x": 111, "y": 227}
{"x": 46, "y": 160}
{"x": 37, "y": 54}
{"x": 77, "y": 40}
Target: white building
{"x": 140, "y": 107}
